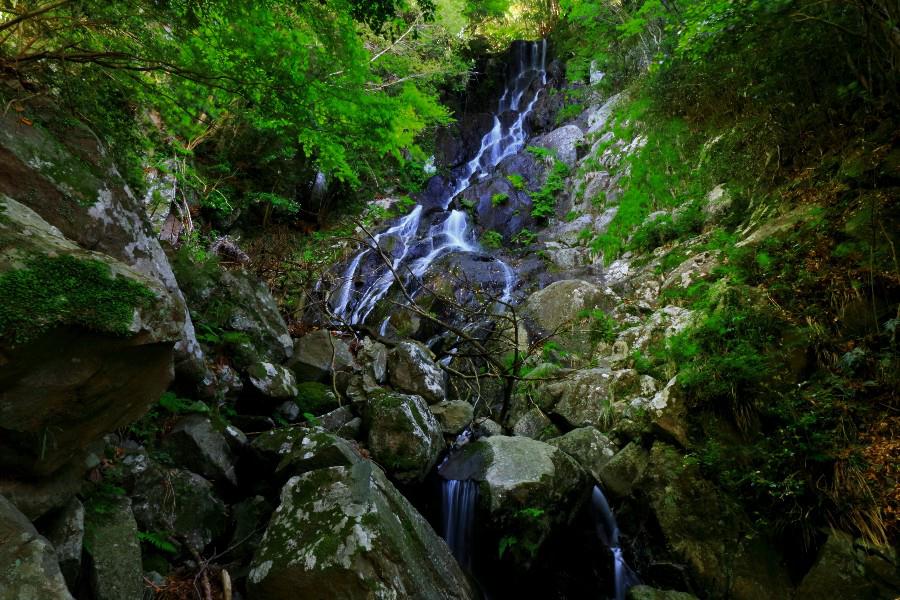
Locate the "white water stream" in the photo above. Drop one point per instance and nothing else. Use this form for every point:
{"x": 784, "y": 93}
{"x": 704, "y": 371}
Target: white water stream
{"x": 359, "y": 291}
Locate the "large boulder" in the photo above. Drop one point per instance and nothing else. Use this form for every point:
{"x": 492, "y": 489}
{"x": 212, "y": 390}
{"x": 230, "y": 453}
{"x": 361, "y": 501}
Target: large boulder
{"x": 563, "y": 142}
{"x": 525, "y": 485}
{"x": 65, "y": 530}
{"x": 453, "y": 415}
{"x": 273, "y": 381}
{"x": 559, "y": 308}
{"x": 28, "y": 564}
{"x": 411, "y": 369}
{"x": 846, "y": 568}
{"x": 239, "y": 310}
{"x": 346, "y": 532}
{"x": 645, "y": 592}
{"x": 196, "y": 444}
{"x": 70, "y": 180}
{"x": 708, "y": 533}
{"x": 114, "y": 555}
{"x": 498, "y": 206}
{"x": 86, "y": 343}
{"x": 584, "y": 398}
{"x": 588, "y": 447}
{"x": 319, "y": 355}
{"x": 404, "y": 436}
{"x": 176, "y": 501}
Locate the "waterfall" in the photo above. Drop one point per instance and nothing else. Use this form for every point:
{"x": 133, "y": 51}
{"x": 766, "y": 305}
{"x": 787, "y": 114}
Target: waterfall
{"x": 458, "y": 512}
{"x": 364, "y": 283}
{"x": 608, "y": 532}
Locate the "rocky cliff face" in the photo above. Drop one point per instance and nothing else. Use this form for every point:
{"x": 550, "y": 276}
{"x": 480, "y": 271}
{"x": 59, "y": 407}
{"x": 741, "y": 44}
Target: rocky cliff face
{"x": 279, "y": 467}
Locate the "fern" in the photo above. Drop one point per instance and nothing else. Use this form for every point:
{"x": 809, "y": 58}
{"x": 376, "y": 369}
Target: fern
{"x": 158, "y": 540}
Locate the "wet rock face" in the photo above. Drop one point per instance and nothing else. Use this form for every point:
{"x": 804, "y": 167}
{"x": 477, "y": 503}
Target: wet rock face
{"x": 461, "y": 140}
{"x": 346, "y": 532}
{"x": 498, "y": 206}
{"x": 404, "y": 435}
{"x": 411, "y": 369}
{"x": 77, "y": 382}
{"x": 28, "y": 563}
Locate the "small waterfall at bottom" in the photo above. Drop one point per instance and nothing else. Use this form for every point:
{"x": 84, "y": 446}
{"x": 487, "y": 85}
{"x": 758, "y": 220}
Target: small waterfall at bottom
{"x": 458, "y": 513}
{"x": 608, "y": 532}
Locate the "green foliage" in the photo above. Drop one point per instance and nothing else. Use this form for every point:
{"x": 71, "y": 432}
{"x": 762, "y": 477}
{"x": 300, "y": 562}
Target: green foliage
{"x": 159, "y": 540}
{"x": 571, "y": 216}
{"x": 492, "y": 239}
{"x": 499, "y": 199}
{"x": 540, "y": 152}
{"x": 59, "y": 291}
{"x": 601, "y": 327}
{"x": 315, "y": 398}
{"x": 525, "y": 237}
{"x": 516, "y": 180}
{"x": 543, "y": 201}
{"x": 179, "y": 406}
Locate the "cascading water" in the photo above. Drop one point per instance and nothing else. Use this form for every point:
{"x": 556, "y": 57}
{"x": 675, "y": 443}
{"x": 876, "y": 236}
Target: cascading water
{"x": 367, "y": 279}
{"x": 458, "y": 514}
{"x": 608, "y": 532}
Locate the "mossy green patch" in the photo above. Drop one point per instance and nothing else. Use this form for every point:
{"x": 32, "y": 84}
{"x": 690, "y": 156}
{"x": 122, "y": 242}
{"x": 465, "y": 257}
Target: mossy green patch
{"x": 54, "y": 291}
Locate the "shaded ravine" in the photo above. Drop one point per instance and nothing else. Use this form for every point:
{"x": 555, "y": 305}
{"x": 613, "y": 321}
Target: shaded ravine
{"x": 413, "y": 244}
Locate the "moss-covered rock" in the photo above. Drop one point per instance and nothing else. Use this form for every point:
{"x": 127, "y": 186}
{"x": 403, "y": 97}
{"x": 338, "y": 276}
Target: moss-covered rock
{"x": 556, "y": 310}
{"x": 28, "y": 563}
{"x": 526, "y": 487}
{"x": 320, "y": 355}
{"x": 175, "y": 501}
{"x": 87, "y": 343}
{"x": 195, "y": 443}
{"x": 114, "y": 568}
{"x": 346, "y": 532}
{"x": 453, "y": 415}
{"x": 588, "y": 447}
{"x": 404, "y": 437}
{"x": 411, "y": 369}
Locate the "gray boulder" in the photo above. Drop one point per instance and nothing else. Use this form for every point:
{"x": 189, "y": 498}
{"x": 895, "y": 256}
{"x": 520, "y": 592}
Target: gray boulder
{"x": 70, "y": 180}
{"x": 524, "y": 484}
{"x": 346, "y": 532}
{"x": 196, "y": 444}
{"x": 556, "y": 310}
{"x": 273, "y": 381}
{"x": 319, "y": 354}
{"x": 584, "y": 398}
{"x": 28, "y": 564}
{"x": 87, "y": 367}
{"x": 453, "y": 415}
{"x": 588, "y": 447}
{"x": 316, "y": 450}
{"x": 240, "y": 306}
{"x": 404, "y": 436}
{"x": 65, "y": 530}
{"x": 114, "y": 568}
{"x": 411, "y": 369}
{"x": 621, "y": 472}
{"x": 175, "y": 501}
{"x": 564, "y": 142}
{"x": 536, "y": 425}
{"x": 848, "y": 568}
